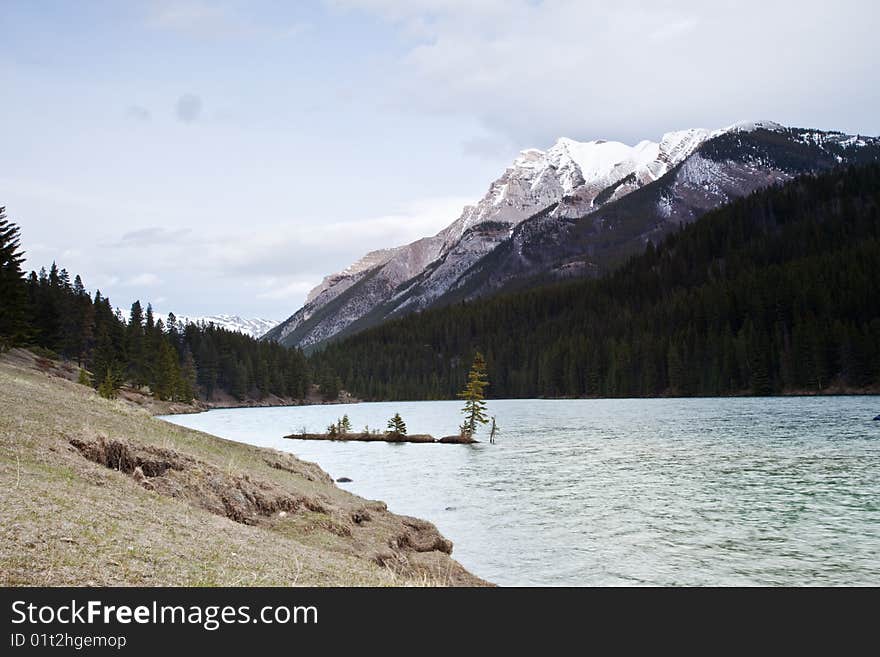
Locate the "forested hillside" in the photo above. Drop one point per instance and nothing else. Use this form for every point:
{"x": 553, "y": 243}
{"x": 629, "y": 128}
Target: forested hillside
{"x": 176, "y": 361}
{"x": 776, "y": 292}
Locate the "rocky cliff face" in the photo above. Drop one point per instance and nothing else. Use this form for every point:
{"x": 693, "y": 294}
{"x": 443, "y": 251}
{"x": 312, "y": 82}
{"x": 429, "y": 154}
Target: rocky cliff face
{"x": 351, "y": 295}
{"x": 573, "y": 210}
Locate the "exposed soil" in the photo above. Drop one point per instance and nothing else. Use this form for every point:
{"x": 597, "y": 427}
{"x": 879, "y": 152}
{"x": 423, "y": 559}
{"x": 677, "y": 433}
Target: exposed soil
{"x": 237, "y": 497}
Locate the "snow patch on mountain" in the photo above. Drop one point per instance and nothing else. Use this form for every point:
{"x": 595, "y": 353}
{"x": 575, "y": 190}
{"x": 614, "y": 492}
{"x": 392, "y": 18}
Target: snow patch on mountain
{"x": 751, "y": 126}
{"x": 635, "y": 167}
{"x": 255, "y": 327}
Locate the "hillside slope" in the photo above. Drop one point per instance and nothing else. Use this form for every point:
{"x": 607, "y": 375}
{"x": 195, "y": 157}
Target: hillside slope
{"x": 98, "y": 492}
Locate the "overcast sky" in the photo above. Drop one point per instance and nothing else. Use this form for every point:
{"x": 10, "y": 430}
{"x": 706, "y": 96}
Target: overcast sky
{"x": 217, "y": 157}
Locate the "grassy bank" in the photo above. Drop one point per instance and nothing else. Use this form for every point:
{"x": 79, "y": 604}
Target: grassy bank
{"x": 98, "y": 492}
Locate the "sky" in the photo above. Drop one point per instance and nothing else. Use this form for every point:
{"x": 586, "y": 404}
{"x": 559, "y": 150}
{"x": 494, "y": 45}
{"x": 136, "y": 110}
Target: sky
{"x": 222, "y": 157}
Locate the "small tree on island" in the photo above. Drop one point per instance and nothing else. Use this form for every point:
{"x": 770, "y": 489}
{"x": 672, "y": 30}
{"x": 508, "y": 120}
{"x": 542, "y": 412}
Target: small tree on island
{"x": 396, "y": 426}
{"x": 344, "y": 425}
{"x": 474, "y": 405}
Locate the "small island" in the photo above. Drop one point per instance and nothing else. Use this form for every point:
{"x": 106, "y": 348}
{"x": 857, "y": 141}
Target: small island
{"x": 374, "y": 437}
{"x": 474, "y": 411}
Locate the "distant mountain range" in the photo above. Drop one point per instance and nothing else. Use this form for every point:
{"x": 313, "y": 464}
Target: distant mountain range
{"x": 576, "y": 209}
{"x": 255, "y": 327}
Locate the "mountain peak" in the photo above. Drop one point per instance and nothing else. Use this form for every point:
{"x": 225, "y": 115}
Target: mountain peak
{"x": 525, "y": 223}
{"x": 751, "y": 126}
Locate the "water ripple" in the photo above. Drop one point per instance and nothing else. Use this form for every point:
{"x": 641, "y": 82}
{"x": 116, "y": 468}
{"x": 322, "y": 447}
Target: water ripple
{"x": 621, "y": 492}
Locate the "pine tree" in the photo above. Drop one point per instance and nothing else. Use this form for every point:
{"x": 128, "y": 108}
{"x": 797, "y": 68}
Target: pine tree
{"x": 208, "y": 366}
{"x": 396, "y": 427}
{"x": 345, "y": 425}
{"x": 46, "y": 311}
{"x": 330, "y": 385}
{"x": 475, "y": 405}
{"x": 83, "y": 322}
{"x": 135, "y": 345}
{"x": 173, "y": 330}
{"x": 153, "y": 334}
{"x": 13, "y": 289}
{"x": 104, "y": 360}
{"x": 188, "y": 377}
{"x": 238, "y": 384}
{"x": 109, "y": 388}
{"x": 167, "y": 378}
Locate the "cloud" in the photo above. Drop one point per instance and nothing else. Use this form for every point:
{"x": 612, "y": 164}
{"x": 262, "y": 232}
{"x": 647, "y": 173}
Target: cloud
{"x": 489, "y": 148}
{"x": 313, "y": 245}
{"x": 295, "y": 30}
{"x": 152, "y": 236}
{"x": 138, "y": 113}
{"x": 533, "y": 71}
{"x": 188, "y": 108}
{"x": 277, "y": 289}
{"x": 146, "y": 279}
{"x": 675, "y": 29}
{"x": 312, "y": 250}
{"x": 191, "y": 16}
{"x": 217, "y": 20}
{"x": 282, "y": 263}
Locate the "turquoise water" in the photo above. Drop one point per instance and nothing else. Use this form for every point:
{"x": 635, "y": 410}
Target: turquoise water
{"x": 753, "y": 491}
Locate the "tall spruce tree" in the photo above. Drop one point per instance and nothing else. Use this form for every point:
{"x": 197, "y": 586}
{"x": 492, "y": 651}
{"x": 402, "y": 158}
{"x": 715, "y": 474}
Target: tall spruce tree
{"x": 188, "y": 376}
{"x": 85, "y": 322}
{"x": 167, "y": 372}
{"x": 13, "y": 288}
{"x": 135, "y": 344}
{"x": 475, "y": 404}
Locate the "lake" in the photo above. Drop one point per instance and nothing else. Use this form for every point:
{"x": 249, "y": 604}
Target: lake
{"x": 744, "y": 491}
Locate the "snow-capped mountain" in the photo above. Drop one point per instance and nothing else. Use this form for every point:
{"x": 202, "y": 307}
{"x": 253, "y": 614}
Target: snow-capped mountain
{"x": 575, "y": 209}
{"x": 255, "y": 327}
{"x": 535, "y": 180}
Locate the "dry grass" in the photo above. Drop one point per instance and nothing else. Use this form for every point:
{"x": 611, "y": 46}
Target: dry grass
{"x": 181, "y": 507}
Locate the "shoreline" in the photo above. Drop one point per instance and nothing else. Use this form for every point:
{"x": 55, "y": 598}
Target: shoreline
{"x": 157, "y": 408}
{"x": 179, "y": 408}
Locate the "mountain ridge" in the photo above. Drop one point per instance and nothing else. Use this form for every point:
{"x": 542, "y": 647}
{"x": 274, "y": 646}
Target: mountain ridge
{"x": 563, "y": 213}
